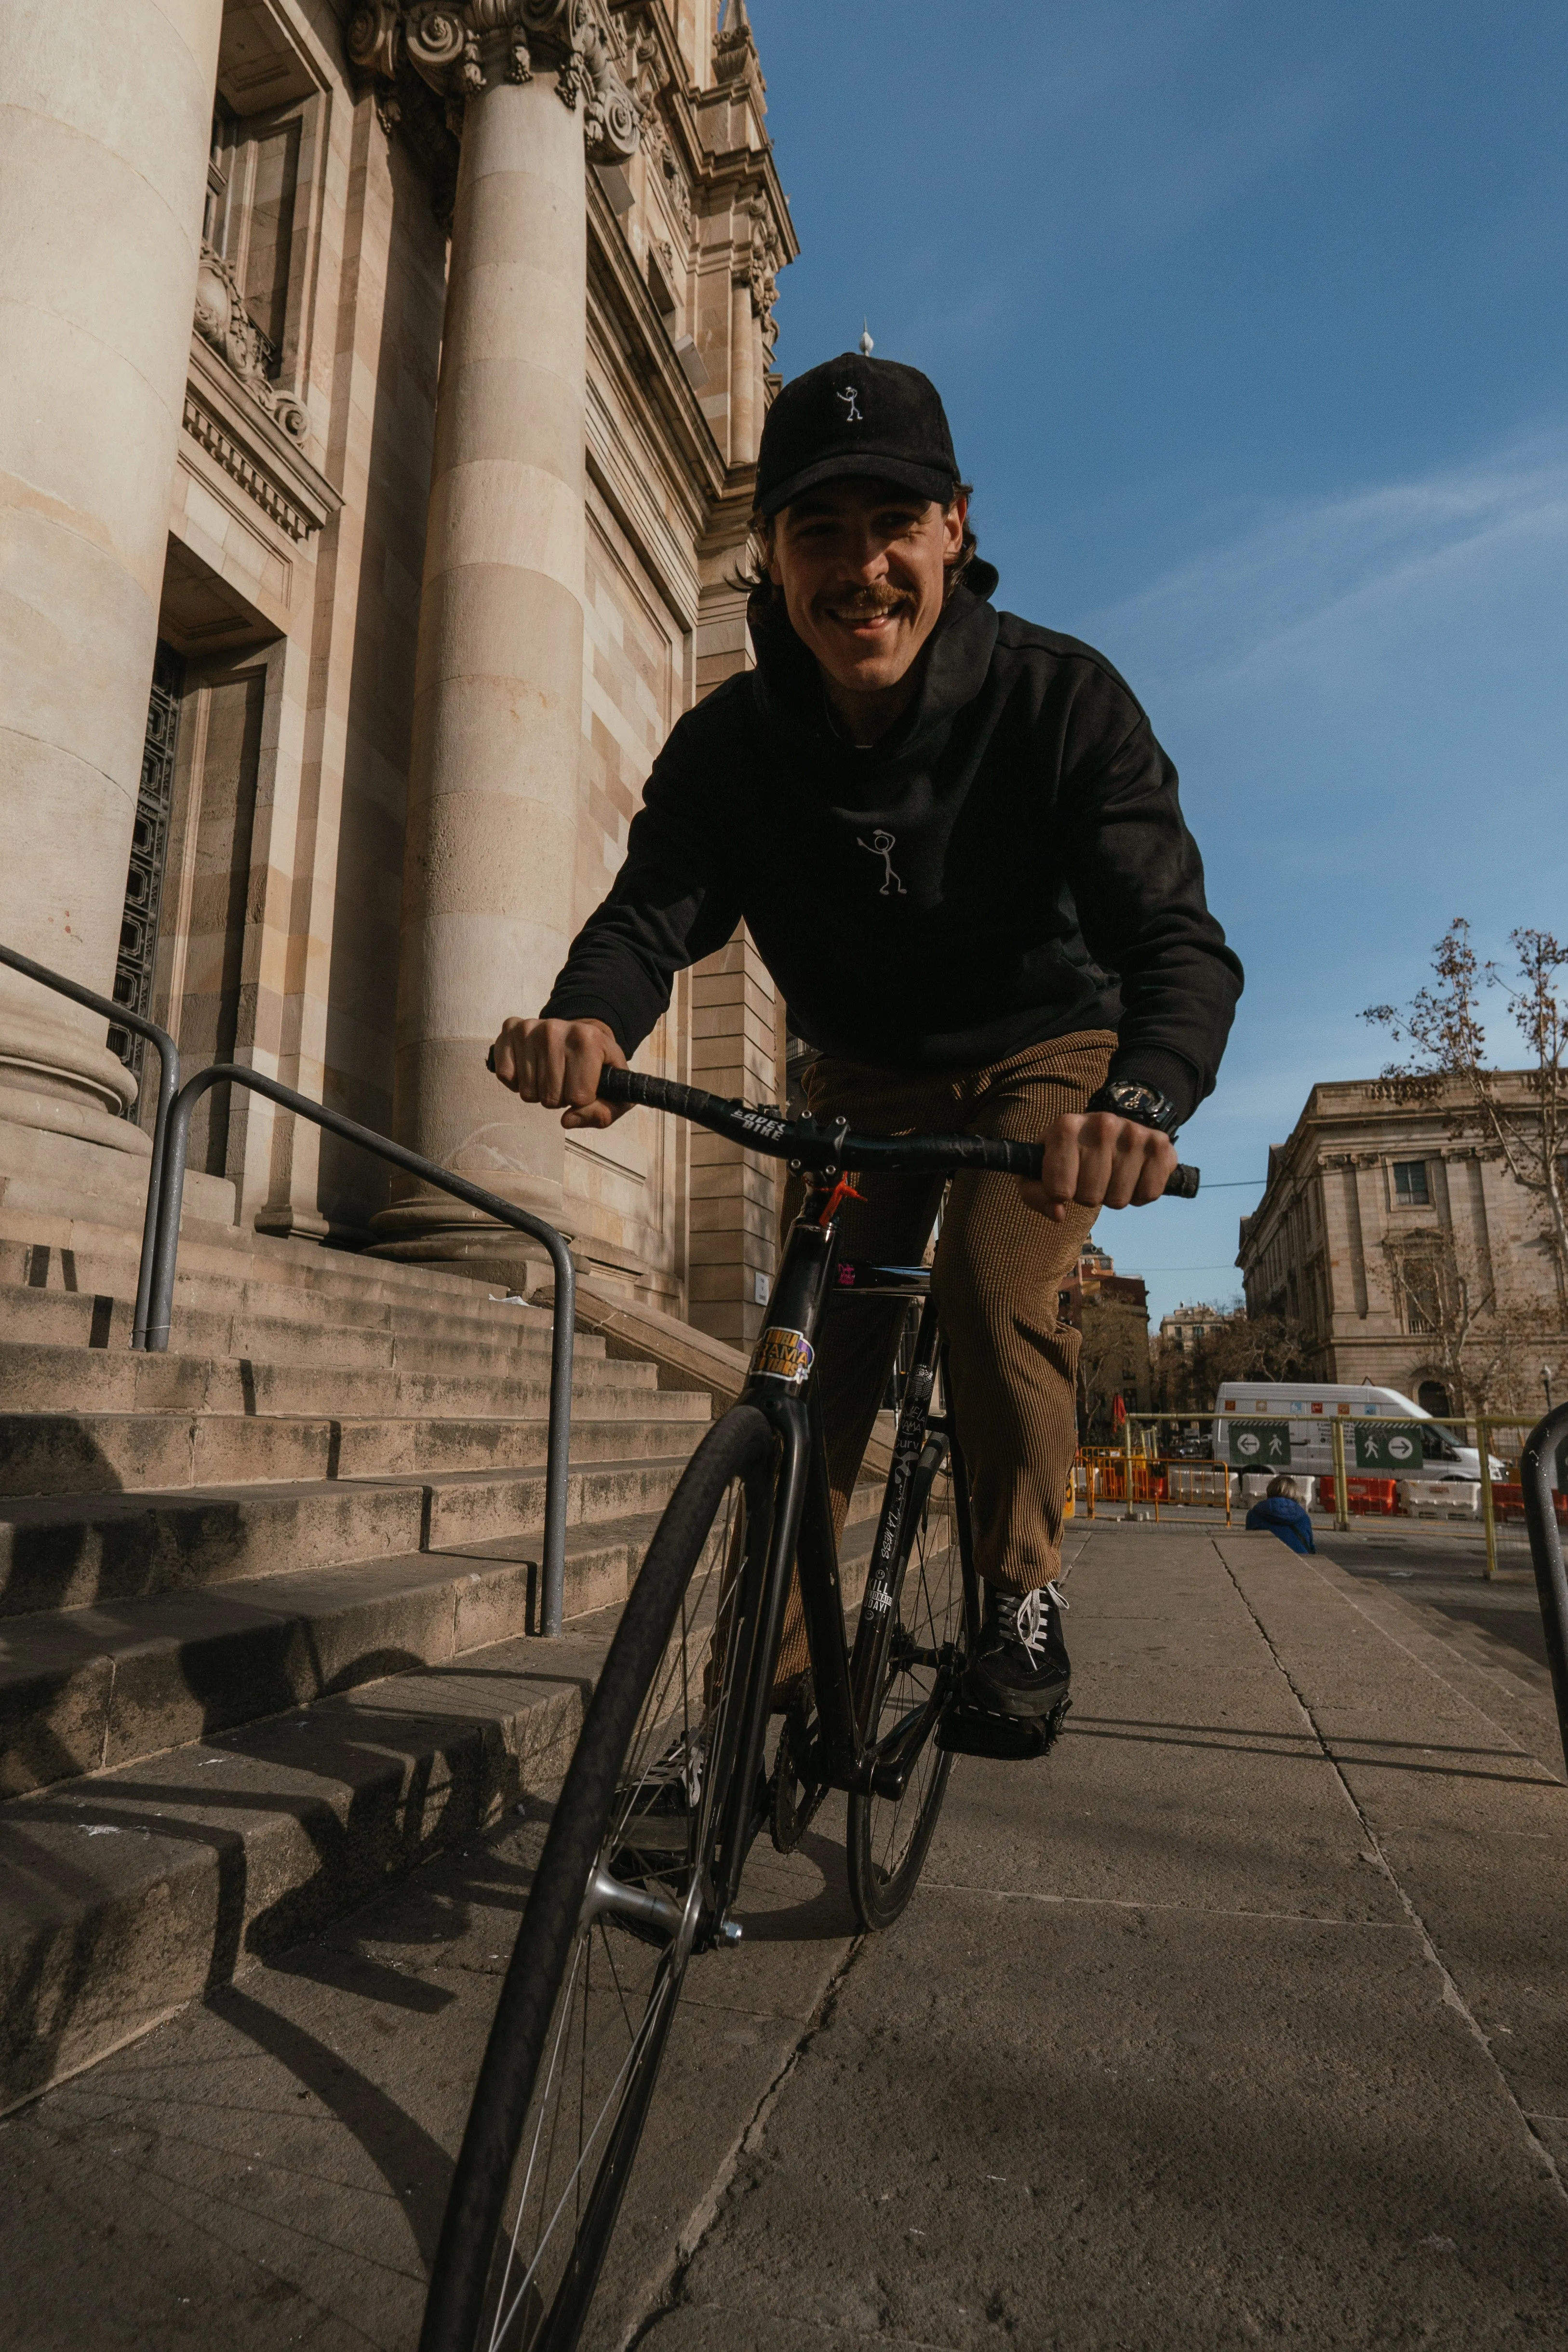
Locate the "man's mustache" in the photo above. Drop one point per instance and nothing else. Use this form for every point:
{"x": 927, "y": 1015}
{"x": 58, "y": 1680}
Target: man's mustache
{"x": 866, "y": 603}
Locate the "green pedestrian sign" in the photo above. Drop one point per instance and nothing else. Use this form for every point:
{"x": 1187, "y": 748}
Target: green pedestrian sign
{"x": 1391, "y": 1446}
{"x": 1260, "y": 1445}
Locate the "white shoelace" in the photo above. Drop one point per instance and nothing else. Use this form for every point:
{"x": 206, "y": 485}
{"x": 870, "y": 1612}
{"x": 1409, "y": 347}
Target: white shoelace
{"x": 1026, "y": 1616}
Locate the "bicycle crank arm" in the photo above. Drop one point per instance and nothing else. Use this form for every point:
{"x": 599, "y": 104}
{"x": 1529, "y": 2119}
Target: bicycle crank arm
{"x": 888, "y": 1766}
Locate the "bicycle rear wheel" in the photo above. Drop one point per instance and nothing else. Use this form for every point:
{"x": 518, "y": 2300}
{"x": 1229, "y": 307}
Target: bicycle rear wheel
{"x": 616, "y": 1907}
{"x": 919, "y": 1660}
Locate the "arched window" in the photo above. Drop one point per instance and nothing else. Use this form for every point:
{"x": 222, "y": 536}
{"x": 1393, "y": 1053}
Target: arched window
{"x": 1433, "y": 1398}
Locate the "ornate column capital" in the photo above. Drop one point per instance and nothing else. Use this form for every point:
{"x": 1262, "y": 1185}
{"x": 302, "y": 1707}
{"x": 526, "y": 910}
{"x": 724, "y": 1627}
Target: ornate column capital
{"x": 461, "y": 46}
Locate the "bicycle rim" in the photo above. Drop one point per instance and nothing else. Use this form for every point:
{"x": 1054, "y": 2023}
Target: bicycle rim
{"x": 920, "y": 1657}
{"x": 616, "y": 1905}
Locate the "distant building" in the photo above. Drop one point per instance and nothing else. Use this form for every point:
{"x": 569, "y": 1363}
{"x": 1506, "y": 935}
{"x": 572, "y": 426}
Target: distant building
{"x": 1406, "y": 1252}
{"x": 1095, "y": 1276}
{"x": 1183, "y": 1330}
{"x": 1112, "y": 1312}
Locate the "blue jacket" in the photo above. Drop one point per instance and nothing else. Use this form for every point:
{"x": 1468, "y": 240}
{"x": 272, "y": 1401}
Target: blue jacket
{"x": 1290, "y": 1521}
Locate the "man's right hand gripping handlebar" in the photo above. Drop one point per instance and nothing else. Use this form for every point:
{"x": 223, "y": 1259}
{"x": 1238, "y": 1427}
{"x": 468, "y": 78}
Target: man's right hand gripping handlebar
{"x": 558, "y": 1064}
{"x": 577, "y": 1067}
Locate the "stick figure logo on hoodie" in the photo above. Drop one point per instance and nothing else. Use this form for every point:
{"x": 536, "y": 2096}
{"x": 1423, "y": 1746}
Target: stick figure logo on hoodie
{"x": 883, "y": 845}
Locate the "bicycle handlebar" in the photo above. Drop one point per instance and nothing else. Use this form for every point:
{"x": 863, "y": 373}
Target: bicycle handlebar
{"x": 817, "y": 1147}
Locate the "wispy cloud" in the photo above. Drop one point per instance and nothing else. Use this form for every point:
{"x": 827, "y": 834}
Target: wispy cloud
{"x": 1269, "y": 597}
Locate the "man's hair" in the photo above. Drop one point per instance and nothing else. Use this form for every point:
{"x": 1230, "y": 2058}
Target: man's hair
{"x": 1287, "y": 1487}
{"x": 765, "y": 598}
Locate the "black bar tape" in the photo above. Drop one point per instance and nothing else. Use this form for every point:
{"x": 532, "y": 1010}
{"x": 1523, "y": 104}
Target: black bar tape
{"x": 817, "y": 1147}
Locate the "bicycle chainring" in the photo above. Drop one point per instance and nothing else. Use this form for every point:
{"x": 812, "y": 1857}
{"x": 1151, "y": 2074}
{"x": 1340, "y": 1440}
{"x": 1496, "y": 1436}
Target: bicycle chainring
{"x": 794, "y": 1797}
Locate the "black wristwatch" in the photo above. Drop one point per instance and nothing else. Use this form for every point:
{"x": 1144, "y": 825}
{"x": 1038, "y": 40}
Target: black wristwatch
{"x": 1143, "y": 1105}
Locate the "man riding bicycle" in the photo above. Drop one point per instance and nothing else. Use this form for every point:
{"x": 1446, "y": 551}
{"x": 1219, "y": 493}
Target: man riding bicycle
{"x": 959, "y": 851}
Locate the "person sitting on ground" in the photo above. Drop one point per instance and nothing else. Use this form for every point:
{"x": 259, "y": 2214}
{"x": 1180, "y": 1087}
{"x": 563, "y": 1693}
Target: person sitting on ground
{"x": 1283, "y": 1514}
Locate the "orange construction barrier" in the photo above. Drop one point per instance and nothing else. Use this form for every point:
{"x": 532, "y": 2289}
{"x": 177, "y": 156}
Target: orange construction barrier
{"x": 1508, "y": 1503}
{"x": 1368, "y": 1498}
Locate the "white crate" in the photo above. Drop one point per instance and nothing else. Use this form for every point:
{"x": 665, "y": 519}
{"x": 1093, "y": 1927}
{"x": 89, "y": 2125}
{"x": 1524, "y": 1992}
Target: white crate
{"x": 1434, "y": 1498}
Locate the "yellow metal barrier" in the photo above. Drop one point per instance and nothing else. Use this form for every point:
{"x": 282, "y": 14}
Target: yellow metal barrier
{"x": 1136, "y": 1472}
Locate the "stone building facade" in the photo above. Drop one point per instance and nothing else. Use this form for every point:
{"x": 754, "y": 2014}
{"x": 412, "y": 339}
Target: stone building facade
{"x": 1110, "y": 1313}
{"x": 1404, "y": 1250}
{"x": 383, "y": 391}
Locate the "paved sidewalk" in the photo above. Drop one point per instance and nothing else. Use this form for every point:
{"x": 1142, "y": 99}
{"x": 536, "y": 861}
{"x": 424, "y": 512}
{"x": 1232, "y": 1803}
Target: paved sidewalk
{"x": 1240, "y": 2018}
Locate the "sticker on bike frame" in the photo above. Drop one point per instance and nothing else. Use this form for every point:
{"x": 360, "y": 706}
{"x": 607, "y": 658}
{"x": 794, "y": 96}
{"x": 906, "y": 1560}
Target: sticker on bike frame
{"x": 783, "y": 1355}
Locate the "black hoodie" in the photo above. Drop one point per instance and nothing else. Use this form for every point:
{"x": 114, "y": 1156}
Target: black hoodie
{"x": 1008, "y": 864}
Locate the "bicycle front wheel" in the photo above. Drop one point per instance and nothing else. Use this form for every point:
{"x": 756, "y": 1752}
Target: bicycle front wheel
{"x": 615, "y": 1909}
{"x": 919, "y": 1658}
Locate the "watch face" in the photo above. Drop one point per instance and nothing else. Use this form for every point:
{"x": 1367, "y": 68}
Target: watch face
{"x": 1140, "y": 1103}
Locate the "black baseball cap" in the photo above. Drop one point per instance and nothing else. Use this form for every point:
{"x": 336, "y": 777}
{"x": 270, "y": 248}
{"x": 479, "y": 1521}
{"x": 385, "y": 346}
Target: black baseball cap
{"x": 856, "y": 415}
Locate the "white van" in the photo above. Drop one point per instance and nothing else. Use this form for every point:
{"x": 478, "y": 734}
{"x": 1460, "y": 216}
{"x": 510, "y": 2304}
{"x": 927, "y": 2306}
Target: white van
{"x": 1304, "y": 1418}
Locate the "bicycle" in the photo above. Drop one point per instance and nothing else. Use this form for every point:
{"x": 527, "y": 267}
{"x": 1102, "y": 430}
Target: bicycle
{"x": 668, "y": 1787}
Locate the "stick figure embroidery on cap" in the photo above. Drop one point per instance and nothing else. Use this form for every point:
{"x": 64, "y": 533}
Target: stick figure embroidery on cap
{"x": 851, "y": 411}
{"x": 883, "y": 845}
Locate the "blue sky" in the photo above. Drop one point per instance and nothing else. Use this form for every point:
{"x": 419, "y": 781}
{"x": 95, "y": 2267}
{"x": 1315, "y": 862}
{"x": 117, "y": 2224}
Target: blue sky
{"x": 1251, "y": 323}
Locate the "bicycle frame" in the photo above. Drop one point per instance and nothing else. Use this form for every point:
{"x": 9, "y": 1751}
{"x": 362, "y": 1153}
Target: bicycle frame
{"x": 780, "y": 1386}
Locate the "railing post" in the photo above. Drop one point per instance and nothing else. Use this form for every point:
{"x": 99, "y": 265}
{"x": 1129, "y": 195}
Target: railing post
{"x": 119, "y": 1016}
{"x": 160, "y": 1306}
{"x": 1341, "y": 1492}
{"x": 1489, "y": 1509}
{"x": 1127, "y": 1466}
{"x": 1537, "y": 1463}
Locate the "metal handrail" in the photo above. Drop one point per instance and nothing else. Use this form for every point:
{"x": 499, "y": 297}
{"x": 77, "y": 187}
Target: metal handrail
{"x": 121, "y": 1017}
{"x": 167, "y": 1245}
{"x": 1536, "y": 1465}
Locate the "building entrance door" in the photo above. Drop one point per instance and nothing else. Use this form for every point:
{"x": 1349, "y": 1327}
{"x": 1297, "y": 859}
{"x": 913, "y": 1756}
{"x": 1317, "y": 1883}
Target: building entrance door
{"x": 149, "y": 853}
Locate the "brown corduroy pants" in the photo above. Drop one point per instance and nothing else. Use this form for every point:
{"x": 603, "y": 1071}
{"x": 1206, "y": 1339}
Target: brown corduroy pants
{"x": 999, "y": 1270}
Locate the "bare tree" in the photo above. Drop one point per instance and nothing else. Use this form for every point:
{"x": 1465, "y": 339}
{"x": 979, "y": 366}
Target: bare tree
{"x": 1444, "y": 1026}
{"x": 1235, "y": 1345}
{"x": 1487, "y": 1353}
{"x": 1113, "y": 1360}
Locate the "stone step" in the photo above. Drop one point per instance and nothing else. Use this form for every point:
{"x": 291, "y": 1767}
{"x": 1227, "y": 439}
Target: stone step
{"x": 127, "y": 1895}
{"x": 75, "y": 1255}
{"x": 83, "y": 1690}
{"x": 44, "y": 1454}
{"x": 416, "y": 1339}
{"x": 230, "y": 1275}
{"x": 67, "y": 1552}
{"x": 130, "y": 1891}
{"x": 60, "y": 1379}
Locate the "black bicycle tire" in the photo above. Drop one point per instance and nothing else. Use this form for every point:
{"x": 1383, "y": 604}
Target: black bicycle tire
{"x": 740, "y": 1441}
{"x": 876, "y": 1907}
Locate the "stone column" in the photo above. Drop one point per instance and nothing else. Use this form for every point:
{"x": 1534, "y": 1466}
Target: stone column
{"x": 743, "y": 384}
{"x": 104, "y": 129}
{"x": 488, "y": 878}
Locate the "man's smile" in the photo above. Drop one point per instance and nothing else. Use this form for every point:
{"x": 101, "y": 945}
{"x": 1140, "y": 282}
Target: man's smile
{"x": 867, "y": 615}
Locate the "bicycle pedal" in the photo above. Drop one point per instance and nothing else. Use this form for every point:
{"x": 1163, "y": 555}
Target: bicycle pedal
{"x": 967, "y": 1730}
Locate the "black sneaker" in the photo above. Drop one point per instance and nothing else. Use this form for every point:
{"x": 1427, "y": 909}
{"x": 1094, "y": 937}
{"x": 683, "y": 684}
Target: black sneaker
{"x": 1020, "y": 1667}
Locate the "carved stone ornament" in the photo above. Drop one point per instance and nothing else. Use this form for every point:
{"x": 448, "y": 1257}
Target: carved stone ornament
{"x": 462, "y": 47}
{"x": 764, "y": 262}
{"x": 222, "y": 321}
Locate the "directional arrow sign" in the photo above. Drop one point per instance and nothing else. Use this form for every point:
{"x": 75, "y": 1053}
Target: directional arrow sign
{"x": 1389, "y": 1445}
{"x": 1260, "y": 1445}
